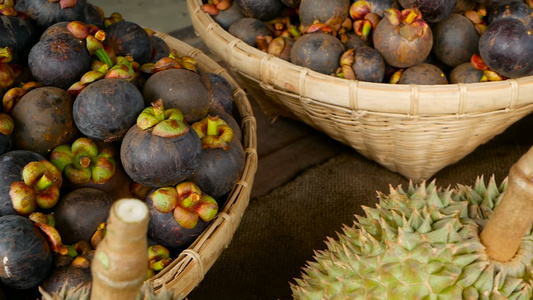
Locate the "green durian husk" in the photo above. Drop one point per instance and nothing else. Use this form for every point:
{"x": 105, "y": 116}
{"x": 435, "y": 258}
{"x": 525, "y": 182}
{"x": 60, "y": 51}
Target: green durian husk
{"x": 419, "y": 243}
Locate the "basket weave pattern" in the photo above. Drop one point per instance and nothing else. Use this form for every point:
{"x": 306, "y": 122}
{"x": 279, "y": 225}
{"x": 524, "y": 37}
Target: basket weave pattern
{"x": 415, "y": 130}
{"x": 188, "y": 270}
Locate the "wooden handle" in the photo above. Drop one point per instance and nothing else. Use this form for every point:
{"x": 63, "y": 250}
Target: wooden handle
{"x": 120, "y": 262}
{"x": 513, "y": 216}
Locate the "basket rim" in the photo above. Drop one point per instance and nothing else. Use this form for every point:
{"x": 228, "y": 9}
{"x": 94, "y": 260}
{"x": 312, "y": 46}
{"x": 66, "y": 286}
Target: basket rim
{"x": 188, "y": 269}
{"x": 410, "y": 99}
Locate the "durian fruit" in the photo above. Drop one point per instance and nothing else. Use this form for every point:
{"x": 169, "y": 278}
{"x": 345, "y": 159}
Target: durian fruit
{"x": 425, "y": 243}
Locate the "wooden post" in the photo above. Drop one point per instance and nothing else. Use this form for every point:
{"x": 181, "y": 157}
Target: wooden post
{"x": 513, "y": 216}
{"x": 120, "y": 262}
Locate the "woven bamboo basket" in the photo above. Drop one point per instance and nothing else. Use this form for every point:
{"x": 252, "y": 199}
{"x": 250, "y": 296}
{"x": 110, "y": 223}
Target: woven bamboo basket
{"x": 188, "y": 269}
{"x": 415, "y": 130}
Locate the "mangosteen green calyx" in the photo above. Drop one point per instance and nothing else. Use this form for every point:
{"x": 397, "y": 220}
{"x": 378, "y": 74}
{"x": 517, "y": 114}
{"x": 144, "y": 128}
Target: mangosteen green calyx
{"x": 160, "y": 150}
{"x": 6, "y": 128}
{"x": 158, "y": 258}
{"x": 179, "y": 214}
{"x": 39, "y": 187}
{"x": 82, "y": 162}
{"x": 403, "y": 38}
{"x": 222, "y": 159}
{"x": 7, "y": 75}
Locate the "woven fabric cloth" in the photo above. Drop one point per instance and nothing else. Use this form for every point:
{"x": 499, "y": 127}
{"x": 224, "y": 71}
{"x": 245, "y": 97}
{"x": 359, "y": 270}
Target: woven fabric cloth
{"x": 280, "y": 231}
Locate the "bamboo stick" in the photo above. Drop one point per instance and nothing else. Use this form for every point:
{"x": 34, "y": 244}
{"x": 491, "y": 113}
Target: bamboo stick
{"x": 513, "y": 216}
{"x": 120, "y": 263}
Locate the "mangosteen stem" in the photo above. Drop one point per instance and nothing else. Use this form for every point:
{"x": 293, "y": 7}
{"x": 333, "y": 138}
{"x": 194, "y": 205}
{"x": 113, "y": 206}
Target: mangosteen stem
{"x": 96, "y": 47}
{"x": 513, "y": 216}
{"x": 411, "y": 17}
{"x": 159, "y": 109}
{"x": 212, "y": 125}
{"x": 46, "y": 181}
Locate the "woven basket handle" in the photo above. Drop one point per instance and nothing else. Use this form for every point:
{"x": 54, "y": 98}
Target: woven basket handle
{"x": 513, "y": 216}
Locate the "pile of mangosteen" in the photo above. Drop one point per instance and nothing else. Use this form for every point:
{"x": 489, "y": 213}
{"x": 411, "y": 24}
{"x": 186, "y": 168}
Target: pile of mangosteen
{"x": 96, "y": 108}
{"x": 389, "y": 41}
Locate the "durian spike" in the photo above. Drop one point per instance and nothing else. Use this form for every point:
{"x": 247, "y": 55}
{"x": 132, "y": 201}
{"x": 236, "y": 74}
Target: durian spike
{"x": 513, "y": 216}
{"x": 120, "y": 261}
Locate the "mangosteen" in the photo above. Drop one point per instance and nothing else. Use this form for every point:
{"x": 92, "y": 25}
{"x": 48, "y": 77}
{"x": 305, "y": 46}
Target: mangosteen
{"x": 181, "y": 89}
{"x": 368, "y": 65}
{"x": 44, "y": 120}
{"x": 264, "y": 10}
{"x": 222, "y": 159}
{"x": 220, "y": 92}
{"x": 423, "y": 74}
{"x": 76, "y": 274}
{"x": 79, "y": 213}
{"x": 514, "y": 9}
{"x": 90, "y": 163}
{"x": 228, "y": 16}
{"x": 160, "y": 150}
{"x": 46, "y": 13}
{"x": 249, "y": 29}
{"x": 331, "y": 13}
{"x": 19, "y": 35}
{"x": 465, "y": 73}
{"x": 95, "y": 15}
{"x": 433, "y": 11}
{"x": 107, "y": 108}
{"x": 127, "y": 38}
{"x": 403, "y": 41}
{"x": 12, "y": 164}
{"x": 164, "y": 228}
{"x": 160, "y": 48}
{"x": 455, "y": 40}
{"x": 353, "y": 41}
{"x": 6, "y": 128}
{"x": 59, "y": 60}
{"x": 24, "y": 251}
{"x": 502, "y": 46}
{"x": 317, "y": 51}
